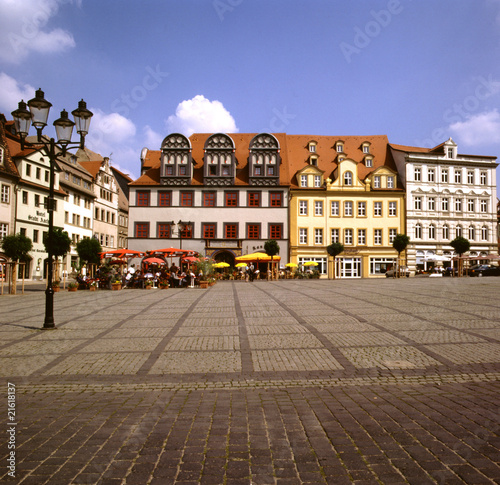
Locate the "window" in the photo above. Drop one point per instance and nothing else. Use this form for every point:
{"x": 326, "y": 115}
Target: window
{"x": 208, "y": 230}
{"x": 209, "y": 199}
{"x": 484, "y": 233}
{"x": 253, "y": 231}
{"x": 231, "y": 199}
{"x": 164, "y": 230}
{"x": 37, "y": 200}
{"x": 418, "y": 203}
{"x": 276, "y": 199}
{"x": 377, "y": 209}
{"x": 430, "y": 175}
{"x": 142, "y": 229}
{"x": 28, "y": 170}
{"x": 450, "y": 152}
{"x": 458, "y": 205}
{"x": 348, "y": 209}
{"x": 164, "y": 198}
{"x": 470, "y": 177}
{"x": 4, "y": 230}
{"x": 230, "y": 231}
{"x": 303, "y": 180}
{"x": 334, "y": 208}
{"x": 377, "y": 237}
{"x": 275, "y": 231}
{"x": 25, "y": 197}
{"x": 348, "y": 237}
{"x": 446, "y": 232}
{"x": 445, "y": 204}
{"x": 303, "y": 207}
{"x": 318, "y": 208}
{"x": 472, "y": 233}
{"x": 361, "y": 237}
{"x": 483, "y": 178}
{"x": 417, "y": 175}
{"x": 312, "y": 148}
{"x": 35, "y": 235}
{"x": 366, "y": 148}
{"x": 418, "y": 231}
{"x": 270, "y": 171}
{"x": 458, "y": 176}
{"x": 361, "y": 209}
{"x": 186, "y": 199}
{"x": 376, "y": 182}
{"x": 390, "y": 182}
{"x": 348, "y": 178}
{"x": 393, "y": 209}
{"x": 143, "y": 198}
{"x": 335, "y": 235}
{"x": 318, "y": 236}
{"x": 444, "y": 175}
{"x": 1, "y": 155}
{"x": 368, "y": 162}
{"x": 484, "y": 206}
{"x": 432, "y": 231}
{"x": 253, "y": 199}
{"x": 303, "y": 235}
{"x": 432, "y": 203}
{"x": 317, "y": 180}
{"x": 23, "y": 231}
{"x": 470, "y": 205}
{"x": 340, "y": 147}
{"x": 392, "y": 235}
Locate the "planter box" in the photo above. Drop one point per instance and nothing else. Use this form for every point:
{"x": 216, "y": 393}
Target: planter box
{"x": 56, "y": 289}
{"x": 203, "y": 284}
{"x": 116, "y": 287}
{"x": 92, "y": 288}
{"x": 72, "y": 289}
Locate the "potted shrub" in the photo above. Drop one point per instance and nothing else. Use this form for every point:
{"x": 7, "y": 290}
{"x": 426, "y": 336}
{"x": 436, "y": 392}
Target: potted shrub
{"x": 116, "y": 284}
{"x": 148, "y": 284}
{"x": 73, "y": 286}
{"x": 164, "y": 284}
{"x": 56, "y": 285}
{"x": 93, "y": 286}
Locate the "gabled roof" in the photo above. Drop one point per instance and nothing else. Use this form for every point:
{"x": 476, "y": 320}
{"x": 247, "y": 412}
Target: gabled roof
{"x": 92, "y": 166}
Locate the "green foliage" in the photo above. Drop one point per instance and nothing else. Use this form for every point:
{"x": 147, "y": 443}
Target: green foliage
{"x": 205, "y": 265}
{"x": 88, "y": 250}
{"x": 335, "y": 249}
{"x": 17, "y": 247}
{"x": 400, "y": 242}
{"x": 271, "y": 247}
{"x": 460, "y": 245}
{"x": 60, "y": 242}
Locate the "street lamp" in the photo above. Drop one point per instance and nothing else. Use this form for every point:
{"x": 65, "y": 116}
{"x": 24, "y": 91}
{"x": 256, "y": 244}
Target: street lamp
{"x": 38, "y": 115}
{"x": 181, "y": 227}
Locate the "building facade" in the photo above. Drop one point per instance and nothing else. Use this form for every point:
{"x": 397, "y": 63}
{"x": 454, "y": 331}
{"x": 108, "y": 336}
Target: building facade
{"x": 122, "y": 180}
{"x": 448, "y": 195}
{"x": 344, "y": 190}
{"x": 220, "y": 195}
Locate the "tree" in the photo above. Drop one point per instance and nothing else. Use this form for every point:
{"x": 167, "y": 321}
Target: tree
{"x": 88, "y": 250}
{"x": 17, "y": 248}
{"x": 59, "y": 243}
{"x": 334, "y": 250}
{"x": 272, "y": 248}
{"x": 399, "y": 244}
{"x": 461, "y": 246}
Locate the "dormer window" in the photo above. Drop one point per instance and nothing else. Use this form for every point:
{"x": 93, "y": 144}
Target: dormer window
{"x": 368, "y": 161}
{"x": 176, "y": 168}
{"x": 347, "y": 178}
{"x": 264, "y": 160}
{"x": 339, "y": 147}
{"x": 450, "y": 149}
{"x": 450, "y": 152}
{"x": 220, "y": 163}
{"x": 365, "y": 147}
{"x": 313, "y": 160}
{"x": 1, "y": 155}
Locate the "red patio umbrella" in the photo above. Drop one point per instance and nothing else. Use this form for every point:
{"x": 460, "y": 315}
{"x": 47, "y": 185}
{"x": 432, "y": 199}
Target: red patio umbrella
{"x": 153, "y": 261}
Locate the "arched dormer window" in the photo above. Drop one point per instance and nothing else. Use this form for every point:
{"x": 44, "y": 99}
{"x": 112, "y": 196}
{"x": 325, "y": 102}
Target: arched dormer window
{"x": 220, "y": 162}
{"x": 339, "y": 146}
{"x": 176, "y": 160}
{"x": 264, "y": 160}
{"x": 312, "y": 146}
{"x": 365, "y": 147}
{"x": 348, "y": 178}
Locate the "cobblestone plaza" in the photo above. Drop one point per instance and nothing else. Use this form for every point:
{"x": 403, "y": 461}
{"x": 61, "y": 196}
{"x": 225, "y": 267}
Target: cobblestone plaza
{"x": 287, "y": 382}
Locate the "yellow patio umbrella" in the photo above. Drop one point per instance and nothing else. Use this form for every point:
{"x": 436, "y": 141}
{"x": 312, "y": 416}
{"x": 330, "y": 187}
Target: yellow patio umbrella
{"x": 310, "y": 263}
{"x": 240, "y": 265}
{"x": 292, "y": 265}
{"x": 222, "y": 264}
{"x": 257, "y": 257}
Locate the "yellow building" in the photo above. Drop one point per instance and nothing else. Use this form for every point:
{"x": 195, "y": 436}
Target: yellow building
{"x": 344, "y": 190}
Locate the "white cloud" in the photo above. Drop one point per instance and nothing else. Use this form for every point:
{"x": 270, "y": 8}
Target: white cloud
{"x": 200, "y": 115}
{"x": 483, "y": 128}
{"x": 11, "y": 92}
{"x": 152, "y": 138}
{"x": 23, "y": 29}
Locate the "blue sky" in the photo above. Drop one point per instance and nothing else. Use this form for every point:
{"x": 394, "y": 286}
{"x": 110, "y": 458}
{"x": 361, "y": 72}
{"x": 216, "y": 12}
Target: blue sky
{"x": 418, "y": 71}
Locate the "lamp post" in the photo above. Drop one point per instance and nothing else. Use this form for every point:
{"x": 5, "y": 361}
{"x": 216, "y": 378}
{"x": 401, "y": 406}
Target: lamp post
{"x": 181, "y": 227}
{"x": 38, "y": 115}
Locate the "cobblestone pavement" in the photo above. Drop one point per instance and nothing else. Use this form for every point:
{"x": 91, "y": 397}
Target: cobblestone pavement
{"x": 288, "y": 382}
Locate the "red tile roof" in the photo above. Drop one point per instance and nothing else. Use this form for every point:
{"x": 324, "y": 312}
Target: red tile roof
{"x": 92, "y": 166}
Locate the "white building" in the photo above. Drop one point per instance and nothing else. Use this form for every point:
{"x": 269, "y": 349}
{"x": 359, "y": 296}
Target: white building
{"x": 447, "y": 195}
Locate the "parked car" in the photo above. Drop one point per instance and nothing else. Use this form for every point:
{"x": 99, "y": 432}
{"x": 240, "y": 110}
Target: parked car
{"x": 404, "y": 271}
{"x": 484, "y": 270}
